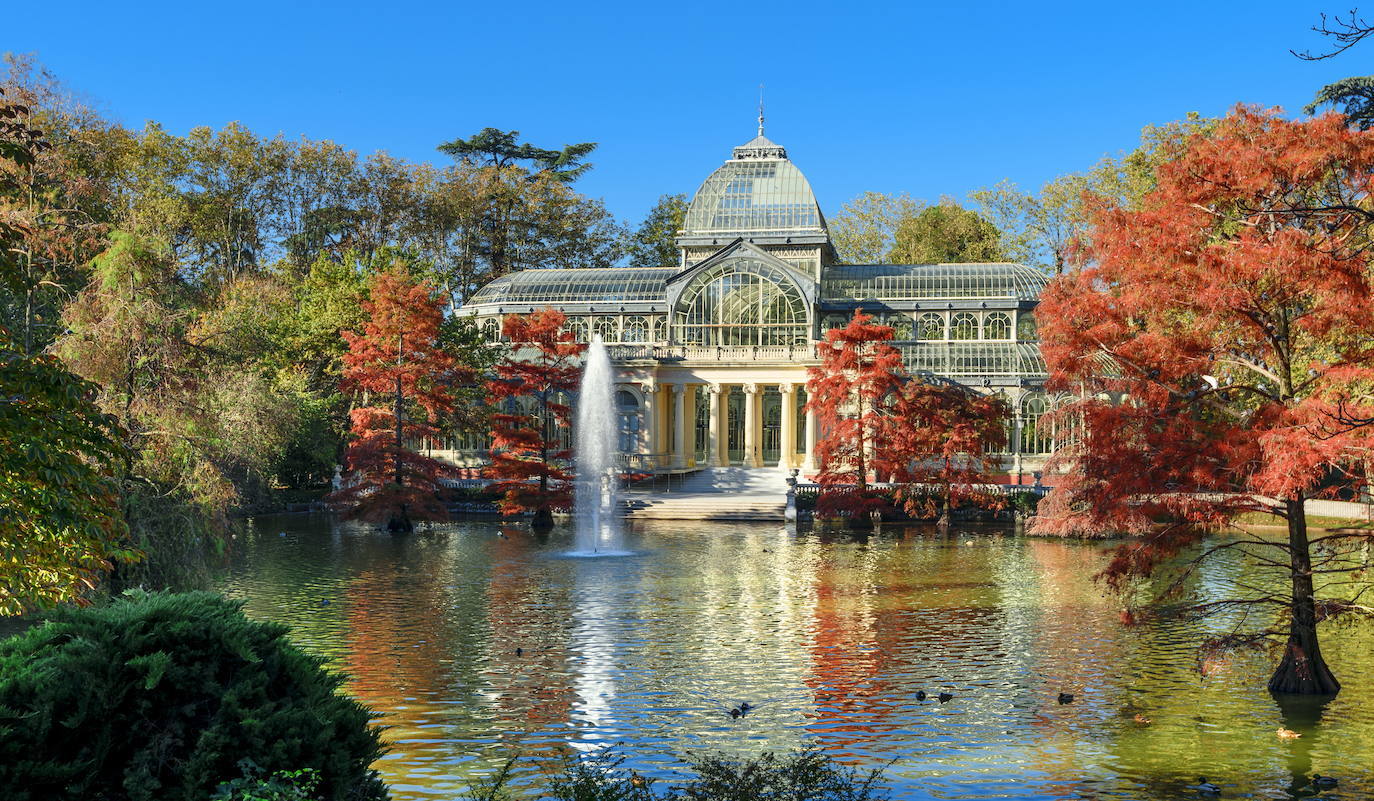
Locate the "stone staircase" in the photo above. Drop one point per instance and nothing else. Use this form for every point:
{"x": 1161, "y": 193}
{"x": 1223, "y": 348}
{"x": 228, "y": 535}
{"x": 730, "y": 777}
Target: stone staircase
{"x": 715, "y": 493}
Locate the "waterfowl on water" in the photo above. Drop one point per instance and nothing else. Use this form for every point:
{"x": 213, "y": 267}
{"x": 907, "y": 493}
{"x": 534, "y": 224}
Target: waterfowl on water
{"x": 1142, "y": 720}
{"x": 1204, "y": 786}
{"x": 1287, "y": 734}
{"x": 735, "y": 713}
{"x": 519, "y": 651}
{"x": 1066, "y": 698}
{"x": 1325, "y": 782}
{"x": 945, "y": 697}
{"x": 745, "y": 707}
{"x": 920, "y": 695}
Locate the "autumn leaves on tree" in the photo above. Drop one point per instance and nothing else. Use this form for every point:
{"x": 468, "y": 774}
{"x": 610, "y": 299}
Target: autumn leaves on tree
{"x": 932, "y": 441}
{"x": 531, "y": 393}
{"x": 405, "y": 381}
{"x": 1219, "y": 341}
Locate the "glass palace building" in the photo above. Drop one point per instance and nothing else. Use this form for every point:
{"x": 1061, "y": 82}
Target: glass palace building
{"x": 711, "y": 355}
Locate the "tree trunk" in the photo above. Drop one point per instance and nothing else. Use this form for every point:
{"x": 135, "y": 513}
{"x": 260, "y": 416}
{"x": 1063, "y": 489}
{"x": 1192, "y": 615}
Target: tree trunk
{"x": 1302, "y": 669}
{"x": 397, "y": 455}
{"x": 543, "y": 520}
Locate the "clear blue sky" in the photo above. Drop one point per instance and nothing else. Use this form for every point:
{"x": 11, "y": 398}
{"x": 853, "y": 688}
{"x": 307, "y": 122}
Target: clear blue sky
{"x": 901, "y": 96}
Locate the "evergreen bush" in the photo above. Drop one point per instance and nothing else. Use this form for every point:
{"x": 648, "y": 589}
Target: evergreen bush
{"x": 159, "y": 697}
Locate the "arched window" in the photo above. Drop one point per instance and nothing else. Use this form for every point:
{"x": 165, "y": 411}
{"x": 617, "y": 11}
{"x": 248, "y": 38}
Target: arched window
{"x": 491, "y": 330}
{"x": 659, "y": 329}
{"x": 627, "y": 412}
{"x": 636, "y": 329}
{"x": 741, "y": 302}
{"x": 997, "y": 325}
{"x": 902, "y": 328}
{"x": 608, "y": 328}
{"x": 1037, "y": 435}
{"x": 578, "y": 327}
{"x": 931, "y": 326}
{"x": 964, "y": 325}
{"x": 833, "y": 321}
{"x": 1025, "y": 327}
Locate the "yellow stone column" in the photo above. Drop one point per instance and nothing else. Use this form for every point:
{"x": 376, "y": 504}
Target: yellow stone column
{"x": 649, "y": 432}
{"x": 809, "y": 463}
{"x": 714, "y": 426}
{"x": 788, "y": 395}
{"x": 680, "y": 445}
{"x": 752, "y": 399}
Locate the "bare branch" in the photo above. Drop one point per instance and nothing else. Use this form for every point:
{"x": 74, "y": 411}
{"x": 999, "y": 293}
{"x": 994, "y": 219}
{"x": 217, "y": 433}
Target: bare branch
{"x": 1345, "y": 32}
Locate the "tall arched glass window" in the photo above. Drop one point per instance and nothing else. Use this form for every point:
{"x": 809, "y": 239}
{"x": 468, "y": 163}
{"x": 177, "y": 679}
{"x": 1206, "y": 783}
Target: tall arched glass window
{"x": 659, "y": 330}
{"x": 577, "y": 326}
{"x": 997, "y": 325}
{"x": 636, "y": 329}
{"x": 931, "y": 326}
{"x": 1025, "y": 327}
{"x": 491, "y": 330}
{"x": 1037, "y": 435}
{"x": 608, "y": 328}
{"x": 627, "y": 412}
{"x": 964, "y": 325}
{"x": 741, "y": 302}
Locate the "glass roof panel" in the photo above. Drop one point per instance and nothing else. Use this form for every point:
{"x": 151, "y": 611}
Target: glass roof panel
{"x": 931, "y": 281}
{"x": 599, "y": 285}
{"x": 973, "y": 358}
{"x": 754, "y": 197}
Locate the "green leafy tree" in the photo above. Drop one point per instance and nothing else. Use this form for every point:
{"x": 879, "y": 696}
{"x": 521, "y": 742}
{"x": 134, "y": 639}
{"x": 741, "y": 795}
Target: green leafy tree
{"x": 654, "y": 242}
{"x": 61, "y": 529}
{"x": 492, "y": 147}
{"x": 1353, "y": 97}
{"x": 864, "y": 232}
{"x": 946, "y": 232}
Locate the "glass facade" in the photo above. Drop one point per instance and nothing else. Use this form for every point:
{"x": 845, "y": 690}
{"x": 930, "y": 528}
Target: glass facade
{"x": 741, "y": 302}
{"x": 757, "y": 285}
{"x": 552, "y": 287}
{"x": 931, "y": 282}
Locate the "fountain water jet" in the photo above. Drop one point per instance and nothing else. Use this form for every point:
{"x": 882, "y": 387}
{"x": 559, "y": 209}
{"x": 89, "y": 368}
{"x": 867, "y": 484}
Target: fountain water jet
{"x": 596, "y": 506}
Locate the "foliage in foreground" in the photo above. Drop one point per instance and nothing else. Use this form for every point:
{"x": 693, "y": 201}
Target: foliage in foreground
{"x": 158, "y": 697}
{"x": 806, "y": 775}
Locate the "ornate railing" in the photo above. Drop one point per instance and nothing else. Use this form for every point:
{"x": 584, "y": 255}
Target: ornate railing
{"x": 713, "y": 353}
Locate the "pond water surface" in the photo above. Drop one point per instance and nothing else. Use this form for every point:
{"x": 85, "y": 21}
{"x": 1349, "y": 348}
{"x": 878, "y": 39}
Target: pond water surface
{"x": 478, "y": 640}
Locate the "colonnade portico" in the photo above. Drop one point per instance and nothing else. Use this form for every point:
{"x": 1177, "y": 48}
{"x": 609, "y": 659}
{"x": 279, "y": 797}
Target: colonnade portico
{"x": 746, "y": 423}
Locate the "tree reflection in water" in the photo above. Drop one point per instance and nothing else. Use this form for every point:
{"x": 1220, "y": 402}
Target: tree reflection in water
{"x": 474, "y": 640}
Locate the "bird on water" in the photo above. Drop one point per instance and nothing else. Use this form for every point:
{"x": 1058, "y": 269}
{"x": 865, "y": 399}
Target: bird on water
{"x": 945, "y": 697}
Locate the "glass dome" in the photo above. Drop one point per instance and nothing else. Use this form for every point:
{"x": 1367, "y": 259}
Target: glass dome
{"x": 931, "y": 281}
{"x": 599, "y": 285}
{"x": 757, "y": 193}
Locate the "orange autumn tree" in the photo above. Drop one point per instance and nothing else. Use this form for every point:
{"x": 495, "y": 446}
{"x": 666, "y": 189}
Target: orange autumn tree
{"x": 403, "y": 377}
{"x": 941, "y": 451}
{"x": 529, "y": 463}
{"x": 1220, "y": 340}
{"x": 852, "y": 393}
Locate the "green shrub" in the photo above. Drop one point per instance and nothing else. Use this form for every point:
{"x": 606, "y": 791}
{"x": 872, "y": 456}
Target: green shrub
{"x": 254, "y": 785}
{"x": 806, "y": 775}
{"x": 160, "y": 696}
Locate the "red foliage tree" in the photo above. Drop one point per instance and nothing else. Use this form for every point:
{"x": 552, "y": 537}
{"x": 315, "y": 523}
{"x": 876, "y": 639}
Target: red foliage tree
{"x": 398, "y": 368}
{"x": 529, "y": 392}
{"x": 852, "y": 393}
{"x": 1235, "y": 311}
{"x": 941, "y": 448}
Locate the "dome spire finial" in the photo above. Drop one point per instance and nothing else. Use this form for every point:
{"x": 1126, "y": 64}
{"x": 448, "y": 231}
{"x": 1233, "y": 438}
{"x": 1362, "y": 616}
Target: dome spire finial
{"x": 760, "y": 109}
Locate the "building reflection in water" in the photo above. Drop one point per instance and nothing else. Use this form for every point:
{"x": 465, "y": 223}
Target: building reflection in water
{"x": 476, "y": 642}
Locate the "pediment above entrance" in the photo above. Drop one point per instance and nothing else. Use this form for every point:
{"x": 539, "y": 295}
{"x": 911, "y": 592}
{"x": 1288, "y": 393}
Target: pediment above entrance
{"x": 740, "y": 250}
